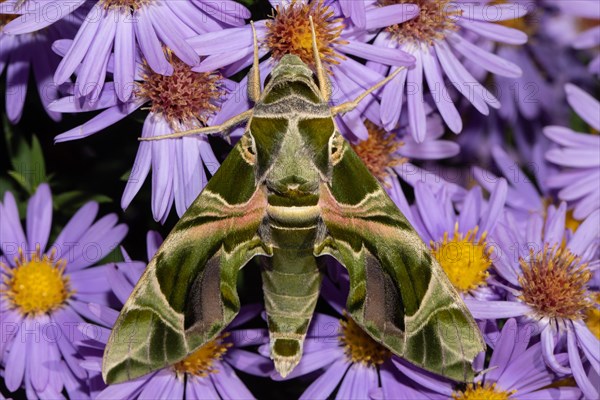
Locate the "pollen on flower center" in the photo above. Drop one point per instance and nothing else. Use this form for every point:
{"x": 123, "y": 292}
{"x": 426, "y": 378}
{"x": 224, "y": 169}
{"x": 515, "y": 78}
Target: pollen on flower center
{"x": 554, "y": 283}
{"x": 289, "y": 32}
{"x": 478, "y": 392}
{"x": 359, "y": 346}
{"x": 465, "y": 259}
{"x": 200, "y": 363}
{"x": 125, "y": 4}
{"x": 435, "y": 19}
{"x": 378, "y": 152}
{"x": 186, "y": 98}
{"x": 37, "y": 285}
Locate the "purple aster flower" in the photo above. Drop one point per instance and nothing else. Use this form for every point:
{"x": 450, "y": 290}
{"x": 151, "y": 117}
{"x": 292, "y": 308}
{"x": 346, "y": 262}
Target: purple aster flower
{"x": 439, "y": 38}
{"x": 133, "y": 29}
{"x": 589, "y": 39}
{"x": 208, "y": 373}
{"x": 181, "y": 101}
{"x": 44, "y": 293}
{"x": 459, "y": 241}
{"x": 289, "y": 32}
{"x": 516, "y": 370}
{"x": 578, "y": 156}
{"x": 382, "y": 151}
{"x": 523, "y": 196}
{"x": 546, "y": 272}
{"x": 22, "y": 53}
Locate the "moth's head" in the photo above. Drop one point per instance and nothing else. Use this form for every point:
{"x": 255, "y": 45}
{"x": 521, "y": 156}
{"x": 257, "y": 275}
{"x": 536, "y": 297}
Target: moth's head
{"x": 291, "y": 66}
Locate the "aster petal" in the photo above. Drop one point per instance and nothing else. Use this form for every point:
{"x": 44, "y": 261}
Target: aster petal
{"x": 10, "y": 227}
{"x": 356, "y": 11}
{"x": 503, "y": 351}
{"x": 563, "y": 393}
{"x": 391, "y": 100}
{"x": 39, "y": 217}
{"x": 228, "y": 384}
{"x": 14, "y": 364}
{"x": 153, "y": 242}
{"x": 17, "y": 78}
{"x": 423, "y": 378}
{"x": 414, "y": 94}
{"x": 81, "y": 44}
{"x": 92, "y": 73}
{"x": 586, "y": 106}
{"x": 496, "y": 309}
{"x": 358, "y": 382}
{"x": 11, "y": 323}
{"x": 438, "y": 90}
{"x": 43, "y": 70}
{"x": 149, "y": 44}
{"x": 54, "y": 11}
{"x": 172, "y": 33}
{"x": 99, "y": 122}
{"x": 495, "y": 207}
{"x": 378, "y": 54}
{"x": 250, "y": 363}
{"x": 226, "y": 40}
{"x": 75, "y": 228}
{"x": 163, "y": 155}
{"x": 124, "y": 74}
{"x": 548, "y": 347}
{"x": 431, "y": 214}
{"x": 324, "y": 385}
{"x": 38, "y": 355}
{"x": 106, "y": 98}
{"x": 555, "y": 226}
{"x": 430, "y": 149}
{"x": 200, "y": 388}
{"x": 156, "y": 387}
{"x": 483, "y": 58}
{"x": 470, "y": 209}
{"x": 568, "y": 138}
{"x": 125, "y": 390}
{"x": 226, "y": 11}
{"x": 496, "y": 32}
{"x": 577, "y": 158}
{"x": 492, "y": 12}
{"x": 589, "y": 389}
{"x": 587, "y": 205}
{"x": 382, "y": 17}
{"x": 141, "y": 166}
{"x": 187, "y": 12}
{"x": 586, "y": 234}
{"x": 463, "y": 81}
{"x": 589, "y": 343}
{"x": 507, "y": 165}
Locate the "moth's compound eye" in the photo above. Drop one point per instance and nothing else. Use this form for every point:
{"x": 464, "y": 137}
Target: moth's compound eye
{"x": 249, "y": 148}
{"x": 336, "y": 148}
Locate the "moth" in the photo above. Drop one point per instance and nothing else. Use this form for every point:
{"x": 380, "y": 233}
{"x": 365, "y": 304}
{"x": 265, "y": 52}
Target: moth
{"x": 292, "y": 190}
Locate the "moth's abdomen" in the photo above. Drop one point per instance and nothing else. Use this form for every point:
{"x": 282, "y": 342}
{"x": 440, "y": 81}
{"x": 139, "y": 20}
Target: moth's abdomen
{"x": 291, "y": 284}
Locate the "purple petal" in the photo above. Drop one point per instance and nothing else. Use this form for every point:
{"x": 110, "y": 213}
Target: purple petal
{"x": 14, "y": 363}
{"x": 39, "y": 217}
{"x": 324, "y": 385}
{"x": 149, "y": 43}
{"x": 378, "y": 54}
{"x": 496, "y": 309}
{"x": 125, "y": 53}
{"x": 586, "y": 106}
{"x": 358, "y": 382}
{"x": 381, "y": 17}
{"x": 17, "y": 77}
{"x": 228, "y": 384}
{"x": 589, "y": 389}
{"x": 496, "y": 32}
{"x": 10, "y": 227}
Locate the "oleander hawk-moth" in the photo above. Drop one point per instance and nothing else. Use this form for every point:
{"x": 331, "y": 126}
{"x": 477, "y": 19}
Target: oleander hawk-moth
{"x": 292, "y": 190}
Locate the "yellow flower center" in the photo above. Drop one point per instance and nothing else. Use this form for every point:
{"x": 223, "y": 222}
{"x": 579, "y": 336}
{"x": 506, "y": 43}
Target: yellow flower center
{"x": 359, "y": 346}
{"x": 37, "y": 285}
{"x": 478, "y": 391}
{"x": 128, "y": 5}
{"x": 289, "y": 32}
{"x": 592, "y": 318}
{"x": 554, "y": 283}
{"x": 200, "y": 363}
{"x": 435, "y": 20}
{"x": 378, "y": 152}
{"x": 570, "y": 221}
{"x": 186, "y": 98}
{"x": 465, "y": 259}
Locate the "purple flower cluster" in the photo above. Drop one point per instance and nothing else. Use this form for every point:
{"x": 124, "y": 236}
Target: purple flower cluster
{"x": 510, "y": 208}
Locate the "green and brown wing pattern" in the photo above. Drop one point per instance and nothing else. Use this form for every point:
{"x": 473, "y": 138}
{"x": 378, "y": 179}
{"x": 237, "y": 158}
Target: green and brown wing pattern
{"x": 398, "y": 292}
{"x": 188, "y": 295}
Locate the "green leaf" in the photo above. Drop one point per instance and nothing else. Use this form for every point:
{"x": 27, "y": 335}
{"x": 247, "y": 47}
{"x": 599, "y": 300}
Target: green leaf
{"x": 73, "y": 200}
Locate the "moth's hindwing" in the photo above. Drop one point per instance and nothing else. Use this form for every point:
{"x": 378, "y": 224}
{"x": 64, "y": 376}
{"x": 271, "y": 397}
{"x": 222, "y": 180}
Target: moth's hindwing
{"x": 399, "y": 294}
{"x": 188, "y": 294}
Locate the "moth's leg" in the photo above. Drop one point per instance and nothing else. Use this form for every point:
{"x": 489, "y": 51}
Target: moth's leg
{"x": 254, "y": 75}
{"x": 351, "y": 105}
{"x": 324, "y": 85}
{"x": 230, "y": 123}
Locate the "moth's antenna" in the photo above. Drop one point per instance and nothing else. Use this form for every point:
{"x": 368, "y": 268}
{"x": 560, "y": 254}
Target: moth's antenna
{"x": 321, "y": 73}
{"x": 254, "y": 76}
